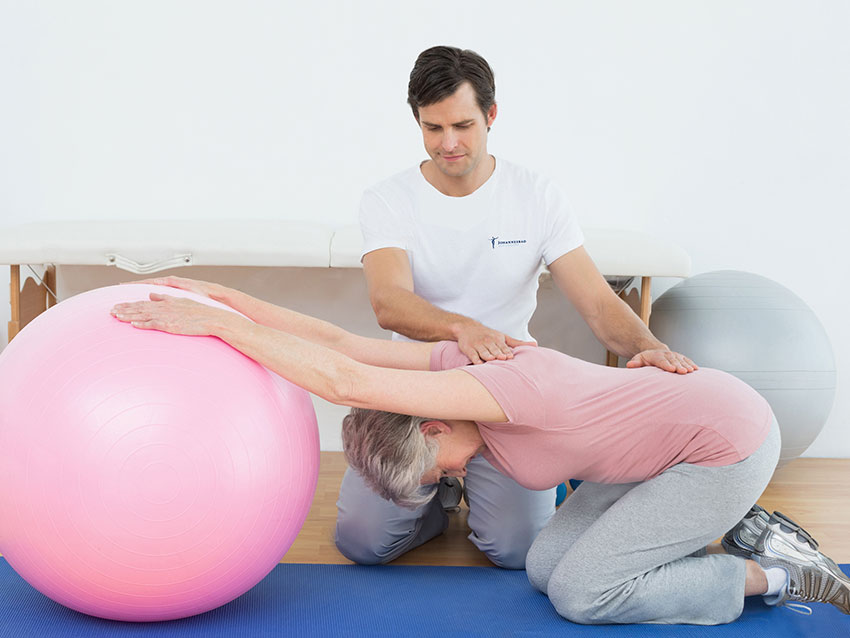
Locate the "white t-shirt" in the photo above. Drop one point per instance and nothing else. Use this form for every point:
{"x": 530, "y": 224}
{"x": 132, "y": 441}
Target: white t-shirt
{"x": 480, "y": 255}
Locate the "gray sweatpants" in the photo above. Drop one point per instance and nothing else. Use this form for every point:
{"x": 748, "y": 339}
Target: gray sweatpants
{"x": 631, "y": 553}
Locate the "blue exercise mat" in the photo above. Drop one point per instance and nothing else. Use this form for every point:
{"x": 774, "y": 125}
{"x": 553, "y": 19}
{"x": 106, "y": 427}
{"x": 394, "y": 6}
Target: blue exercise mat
{"x": 347, "y": 600}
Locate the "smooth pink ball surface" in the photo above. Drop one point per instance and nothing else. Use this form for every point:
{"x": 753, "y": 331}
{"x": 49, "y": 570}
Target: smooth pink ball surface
{"x": 144, "y": 475}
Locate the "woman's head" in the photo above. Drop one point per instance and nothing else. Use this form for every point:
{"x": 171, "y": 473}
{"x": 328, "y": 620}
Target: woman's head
{"x": 391, "y": 454}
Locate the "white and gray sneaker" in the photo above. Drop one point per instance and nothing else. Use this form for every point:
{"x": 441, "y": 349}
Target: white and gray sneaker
{"x": 812, "y": 577}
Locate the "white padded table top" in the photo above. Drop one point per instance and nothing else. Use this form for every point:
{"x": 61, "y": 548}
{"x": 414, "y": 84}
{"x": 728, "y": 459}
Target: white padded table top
{"x": 150, "y": 246}
{"x": 615, "y": 252}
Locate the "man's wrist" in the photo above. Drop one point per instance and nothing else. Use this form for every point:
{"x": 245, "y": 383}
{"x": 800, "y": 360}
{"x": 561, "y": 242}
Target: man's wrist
{"x": 460, "y": 325}
{"x": 654, "y": 344}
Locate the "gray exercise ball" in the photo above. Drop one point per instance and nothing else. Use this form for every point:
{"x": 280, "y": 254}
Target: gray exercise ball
{"x": 762, "y": 333}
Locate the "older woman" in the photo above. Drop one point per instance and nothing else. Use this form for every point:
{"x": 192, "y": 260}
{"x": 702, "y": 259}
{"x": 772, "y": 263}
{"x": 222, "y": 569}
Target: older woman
{"x": 670, "y": 462}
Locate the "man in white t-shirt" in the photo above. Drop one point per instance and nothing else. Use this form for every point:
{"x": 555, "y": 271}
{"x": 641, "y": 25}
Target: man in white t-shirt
{"x": 453, "y": 249}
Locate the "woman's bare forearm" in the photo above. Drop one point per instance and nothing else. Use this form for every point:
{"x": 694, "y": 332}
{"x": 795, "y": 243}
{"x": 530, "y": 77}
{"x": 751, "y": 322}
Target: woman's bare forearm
{"x": 316, "y": 368}
{"x": 377, "y": 352}
{"x": 339, "y": 379}
{"x": 280, "y": 318}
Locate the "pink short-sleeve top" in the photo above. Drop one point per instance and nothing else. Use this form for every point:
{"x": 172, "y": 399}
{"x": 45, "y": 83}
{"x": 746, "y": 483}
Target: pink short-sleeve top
{"x": 568, "y": 418}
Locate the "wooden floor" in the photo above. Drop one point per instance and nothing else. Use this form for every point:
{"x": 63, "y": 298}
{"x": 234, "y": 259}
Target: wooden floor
{"x": 815, "y": 492}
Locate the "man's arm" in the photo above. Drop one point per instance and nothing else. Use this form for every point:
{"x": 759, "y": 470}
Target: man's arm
{"x": 609, "y": 317}
{"x": 398, "y": 308}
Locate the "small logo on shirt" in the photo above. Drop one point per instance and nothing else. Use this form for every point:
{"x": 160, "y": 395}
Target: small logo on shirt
{"x": 494, "y": 241}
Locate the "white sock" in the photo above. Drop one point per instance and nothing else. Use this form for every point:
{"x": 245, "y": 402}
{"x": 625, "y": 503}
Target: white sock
{"x": 777, "y": 578}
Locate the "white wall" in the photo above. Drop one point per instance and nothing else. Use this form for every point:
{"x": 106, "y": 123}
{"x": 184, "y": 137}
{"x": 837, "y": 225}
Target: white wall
{"x": 720, "y": 125}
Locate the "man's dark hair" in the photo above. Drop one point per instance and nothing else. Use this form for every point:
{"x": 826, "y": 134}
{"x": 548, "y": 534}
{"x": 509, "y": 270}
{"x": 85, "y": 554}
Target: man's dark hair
{"x": 439, "y": 71}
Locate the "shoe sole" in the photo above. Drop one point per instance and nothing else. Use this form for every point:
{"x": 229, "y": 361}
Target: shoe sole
{"x": 840, "y": 599}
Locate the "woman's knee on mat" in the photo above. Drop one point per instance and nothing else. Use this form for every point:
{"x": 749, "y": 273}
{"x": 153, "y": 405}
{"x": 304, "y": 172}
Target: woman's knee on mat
{"x": 539, "y": 565}
{"x": 578, "y": 594}
{"x": 574, "y": 603}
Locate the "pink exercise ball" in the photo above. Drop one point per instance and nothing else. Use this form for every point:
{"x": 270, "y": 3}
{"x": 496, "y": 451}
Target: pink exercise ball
{"x": 144, "y": 475}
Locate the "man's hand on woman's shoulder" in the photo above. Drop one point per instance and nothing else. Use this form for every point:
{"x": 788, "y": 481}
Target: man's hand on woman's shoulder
{"x": 481, "y": 344}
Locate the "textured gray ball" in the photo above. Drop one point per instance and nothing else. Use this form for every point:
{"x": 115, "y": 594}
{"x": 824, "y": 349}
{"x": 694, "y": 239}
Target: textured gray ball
{"x": 763, "y": 334}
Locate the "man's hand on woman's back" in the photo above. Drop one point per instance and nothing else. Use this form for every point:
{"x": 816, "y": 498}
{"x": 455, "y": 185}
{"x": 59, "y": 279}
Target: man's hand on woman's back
{"x": 480, "y": 343}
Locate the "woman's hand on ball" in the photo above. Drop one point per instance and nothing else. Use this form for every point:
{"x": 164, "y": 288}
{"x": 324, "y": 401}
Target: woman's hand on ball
{"x": 664, "y": 359}
{"x": 176, "y": 315}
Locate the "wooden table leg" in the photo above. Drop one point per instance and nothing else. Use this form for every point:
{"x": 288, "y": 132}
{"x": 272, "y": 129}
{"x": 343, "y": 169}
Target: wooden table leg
{"x": 50, "y": 283}
{"x": 15, "y": 300}
{"x": 31, "y": 299}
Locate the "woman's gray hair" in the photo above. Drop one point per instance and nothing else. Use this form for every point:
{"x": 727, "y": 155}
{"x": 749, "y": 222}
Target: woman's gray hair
{"x": 391, "y": 454}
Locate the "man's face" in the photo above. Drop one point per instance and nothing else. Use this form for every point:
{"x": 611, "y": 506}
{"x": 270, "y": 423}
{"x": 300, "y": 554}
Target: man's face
{"x": 455, "y": 131}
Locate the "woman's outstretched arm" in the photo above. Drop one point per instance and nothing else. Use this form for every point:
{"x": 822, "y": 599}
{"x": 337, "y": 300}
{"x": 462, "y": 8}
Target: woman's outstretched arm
{"x": 377, "y": 352}
{"x": 324, "y": 371}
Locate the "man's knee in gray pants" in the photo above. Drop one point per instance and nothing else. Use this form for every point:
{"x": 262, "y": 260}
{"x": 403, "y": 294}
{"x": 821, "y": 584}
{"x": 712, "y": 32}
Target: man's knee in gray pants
{"x": 504, "y": 517}
{"x": 371, "y": 530}
{"x": 507, "y": 545}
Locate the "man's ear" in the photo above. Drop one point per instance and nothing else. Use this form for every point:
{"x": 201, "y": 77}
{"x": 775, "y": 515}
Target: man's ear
{"x": 434, "y": 428}
{"x": 491, "y": 115}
